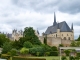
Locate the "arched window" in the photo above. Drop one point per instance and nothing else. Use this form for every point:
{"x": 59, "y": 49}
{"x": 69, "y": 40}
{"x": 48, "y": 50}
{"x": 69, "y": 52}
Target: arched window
{"x": 67, "y": 34}
{"x": 64, "y": 38}
{"x": 62, "y": 34}
{"x": 68, "y": 38}
{"x": 56, "y": 35}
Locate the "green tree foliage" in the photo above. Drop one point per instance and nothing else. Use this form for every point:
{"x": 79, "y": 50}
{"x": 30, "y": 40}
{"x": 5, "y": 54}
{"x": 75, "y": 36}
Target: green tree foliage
{"x": 54, "y": 48}
{"x": 67, "y": 52}
{"x": 24, "y": 51}
{"x": 78, "y": 43}
{"x": 27, "y": 44}
{"x": 78, "y": 38}
{"x": 6, "y": 47}
{"x": 45, "y": 40}
{"x": 30, "y": 36}
{"x": 37, "y": 51}
{"x": 60, "y": 45}
{"x": 46, "y": 48}
{"x": 73, "y": 44}
{"x": 16, "y": 44}
{"x": 3, "y": 39}
{"x": 13, "y": 52}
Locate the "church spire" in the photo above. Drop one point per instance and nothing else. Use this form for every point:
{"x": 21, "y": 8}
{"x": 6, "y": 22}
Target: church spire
{"x": 54, "y": 20}
{"x": 72, "y": 27}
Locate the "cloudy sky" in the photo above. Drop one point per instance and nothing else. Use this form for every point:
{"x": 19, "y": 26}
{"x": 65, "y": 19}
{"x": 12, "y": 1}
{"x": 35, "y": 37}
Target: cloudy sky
{"x": 17, "y": 14}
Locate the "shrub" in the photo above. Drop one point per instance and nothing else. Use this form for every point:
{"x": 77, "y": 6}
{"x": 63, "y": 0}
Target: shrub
{"x": 5, "y": 56}
{"x": 24, "y": 51}
{"x": 54, "y": 53}
{"x": 27, "y": 44}
{"x": 13, "y": 52}
{"x": 71, "y": 58}
{"x": 6, "y": 47}
{"x": 34, "y": 51}
{"x": 63, "y": 58}
{"x": 54, "y": 48}
{"x": 67, "y": 52}
{"x": 37, "y": 53}
{"x": 47, "y": 53}
{"x": 78, "y": 54}
{"x": 21, "y": 58}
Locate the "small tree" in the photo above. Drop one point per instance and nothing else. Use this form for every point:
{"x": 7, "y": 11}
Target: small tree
{"x": 6, "y": 47}
{"x": 24, "y": 51}
{"x": 27, "y": 44}
{"x": 73, "y": 44}
{"x": 60, "y": 45}
{"x": 54, "y": 48}
{"x": 13, "y": 52}
{"x": 67, "y": 52}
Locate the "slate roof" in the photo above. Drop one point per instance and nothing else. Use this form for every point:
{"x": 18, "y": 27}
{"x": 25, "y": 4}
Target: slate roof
{"x": 62, "y": 26}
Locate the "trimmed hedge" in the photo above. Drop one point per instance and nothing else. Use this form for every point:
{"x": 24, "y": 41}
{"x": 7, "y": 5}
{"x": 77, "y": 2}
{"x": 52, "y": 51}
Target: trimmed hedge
{"x": 5, "y": 56}
{"x": 21, "y": 58}
{"x": 54, "y": 53}
{"x": 78, "y": 54}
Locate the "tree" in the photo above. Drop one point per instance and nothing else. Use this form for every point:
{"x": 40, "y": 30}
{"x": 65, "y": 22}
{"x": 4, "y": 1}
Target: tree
{"x": 78, "y": 43}
{"x": 3, "y": 39}
{"x": 30, "y": 36}
{"x": 6, "y": 47}
{"x": 24, "y": 51}
{"x": 54, "y": 48}
{"x": 67, "y": 52}
{"x": 73, "y": 44}
{"x": 78, "y": 38}
{"x": 27, "y": 44}
{"x": 60, "y": 45}
{"x": 45, "y": 40}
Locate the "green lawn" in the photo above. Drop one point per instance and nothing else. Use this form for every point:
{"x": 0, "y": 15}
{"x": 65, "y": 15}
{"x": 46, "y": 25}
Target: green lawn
{"x": 48, "y": 57}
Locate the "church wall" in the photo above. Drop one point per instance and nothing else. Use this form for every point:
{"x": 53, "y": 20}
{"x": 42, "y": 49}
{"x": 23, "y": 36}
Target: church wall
{"x": 66, "y": 43}
{"x": 67, "y": 35}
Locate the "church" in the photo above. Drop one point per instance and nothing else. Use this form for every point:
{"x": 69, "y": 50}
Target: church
{"x": 59, "y": 33}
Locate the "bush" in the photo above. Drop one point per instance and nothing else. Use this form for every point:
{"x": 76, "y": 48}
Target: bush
{"x": 24, "y": 51}
{"x": 54, "y": 53}
{"x": 47, "y": 53}
{"x": 54, "y": 48}
{"x": 27, "y": 44}
{"x": 37, "y": 53}
{"x": 78, "y": 54}
{"x": 6, "y": 47}
{"x": 5, "y": 56}
{"x": 20, "y": 58}
{"x": 13, "y": 52}
{"x": 71, "y": 58}
{"x": 34, "y": 51}
{"x": 63, "y": 58}
{"x": 67, "y": 52}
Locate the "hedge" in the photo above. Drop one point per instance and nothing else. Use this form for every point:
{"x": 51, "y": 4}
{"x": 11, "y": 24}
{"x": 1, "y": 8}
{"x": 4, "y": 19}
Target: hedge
{"x": 5, "y": 56}
{"x": 21, "y": 58}
{"x": 54, "y": 53}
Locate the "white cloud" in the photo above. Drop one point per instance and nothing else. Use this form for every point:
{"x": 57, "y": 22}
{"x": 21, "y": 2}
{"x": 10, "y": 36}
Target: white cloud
{"x": 18, "y": 14}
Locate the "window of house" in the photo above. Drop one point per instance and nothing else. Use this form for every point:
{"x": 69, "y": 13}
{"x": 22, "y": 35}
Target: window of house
{"x": 56, "y": 35}
{"x": 67, "y": 34}
{"x": 68, "y": 38}
{"x": 62, "y": 34}
{"x": 64, "y": 38}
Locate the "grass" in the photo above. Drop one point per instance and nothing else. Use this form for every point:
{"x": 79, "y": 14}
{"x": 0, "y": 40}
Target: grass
{"x": 48, "y": 57}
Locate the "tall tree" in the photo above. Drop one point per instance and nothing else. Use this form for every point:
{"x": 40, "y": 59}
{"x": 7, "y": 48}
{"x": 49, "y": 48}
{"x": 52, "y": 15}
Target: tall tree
{"x": 3, "y": 39}
{"x": 29, "y": 35}
{"x": 78, "y": 38}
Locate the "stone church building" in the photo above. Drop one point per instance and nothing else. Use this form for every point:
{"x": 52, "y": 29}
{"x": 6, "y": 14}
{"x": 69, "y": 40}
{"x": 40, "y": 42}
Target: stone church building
{"x": 58, "y": 33}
